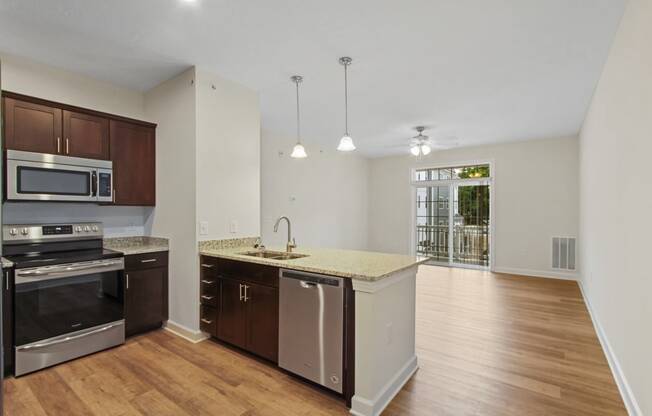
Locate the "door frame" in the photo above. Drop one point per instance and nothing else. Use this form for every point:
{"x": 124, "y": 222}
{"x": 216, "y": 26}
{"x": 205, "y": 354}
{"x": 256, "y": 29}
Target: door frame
{"x": 492, "y": 207}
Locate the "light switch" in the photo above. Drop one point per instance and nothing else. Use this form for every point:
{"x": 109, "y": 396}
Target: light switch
{"x": 203, "y": 228}
{"x": 233, "y": 226}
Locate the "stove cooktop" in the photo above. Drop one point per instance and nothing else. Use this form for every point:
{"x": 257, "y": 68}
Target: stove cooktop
{"x": 23, "y": 261}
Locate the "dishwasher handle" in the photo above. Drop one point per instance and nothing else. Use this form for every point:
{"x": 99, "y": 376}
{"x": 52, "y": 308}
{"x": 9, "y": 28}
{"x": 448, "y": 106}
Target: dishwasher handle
{"x": 307, "y": 285}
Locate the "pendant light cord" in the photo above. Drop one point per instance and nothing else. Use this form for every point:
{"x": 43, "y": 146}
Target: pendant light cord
{"x": 298, "y": 118}
{"x": 346, "y": 100}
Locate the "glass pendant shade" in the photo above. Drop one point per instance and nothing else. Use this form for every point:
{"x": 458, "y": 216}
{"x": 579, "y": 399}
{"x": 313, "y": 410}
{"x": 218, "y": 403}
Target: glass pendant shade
{"x": 346, "y": 144}
{"x": 415, "y": 150}
{"x": 298, "y": 152}
{"x": 425, "y": 149}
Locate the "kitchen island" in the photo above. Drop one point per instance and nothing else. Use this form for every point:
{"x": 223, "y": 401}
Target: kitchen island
{"x": 383, "y": 321}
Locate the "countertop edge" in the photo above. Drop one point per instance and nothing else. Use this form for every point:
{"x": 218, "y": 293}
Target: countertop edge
{"x": 268, "y": 262}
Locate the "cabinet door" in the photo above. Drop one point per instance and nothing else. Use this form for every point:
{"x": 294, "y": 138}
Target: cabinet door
{"x": 7, "y": 321}
{"x": 262, "y": 321}
{"x": 231, "y": 320}
{"x": 85, "y": 135}
{"x": 32, "y": 127}
{"x": 145, "y": 299}
{"x": 133, "y": 154}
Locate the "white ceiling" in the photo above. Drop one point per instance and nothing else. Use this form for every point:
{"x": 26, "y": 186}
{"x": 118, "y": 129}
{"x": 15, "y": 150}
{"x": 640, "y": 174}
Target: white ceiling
{"x": 481, "y": 70}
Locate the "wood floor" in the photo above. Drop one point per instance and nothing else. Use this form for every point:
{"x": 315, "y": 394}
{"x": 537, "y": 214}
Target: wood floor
{"x": 487, "y": 345}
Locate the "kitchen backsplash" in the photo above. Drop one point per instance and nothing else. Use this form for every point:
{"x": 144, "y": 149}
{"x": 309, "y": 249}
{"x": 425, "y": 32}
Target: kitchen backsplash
{"x": 118, "y": 221}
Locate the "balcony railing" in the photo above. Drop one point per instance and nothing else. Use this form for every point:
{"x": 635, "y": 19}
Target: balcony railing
{"x": 470, "y": 243}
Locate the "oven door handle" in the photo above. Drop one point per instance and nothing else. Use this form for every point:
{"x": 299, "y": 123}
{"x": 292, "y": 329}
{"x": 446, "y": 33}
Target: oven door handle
{"x": 59, "y": 272}
{"x": 68, "y": 338}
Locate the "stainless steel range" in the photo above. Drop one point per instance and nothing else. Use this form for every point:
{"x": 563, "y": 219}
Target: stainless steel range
{"x": 69, "y": 293}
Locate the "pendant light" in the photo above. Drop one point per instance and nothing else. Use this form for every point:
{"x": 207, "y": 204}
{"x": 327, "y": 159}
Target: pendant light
{"x": 298, "y": 152}
{"x": 346, "y": 142}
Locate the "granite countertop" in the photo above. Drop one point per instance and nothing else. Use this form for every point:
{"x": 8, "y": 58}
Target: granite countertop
{"x": 6, "y": 264}
{"x": 136, "y": 245}
{"x": 354, "y": 264}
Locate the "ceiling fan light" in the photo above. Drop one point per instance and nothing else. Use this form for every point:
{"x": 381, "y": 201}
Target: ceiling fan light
{"x": 415, "y": 150}
{"x": 346, "y": 144}
{"x": 425, "y": 149}
{"x": 298, "y": 152}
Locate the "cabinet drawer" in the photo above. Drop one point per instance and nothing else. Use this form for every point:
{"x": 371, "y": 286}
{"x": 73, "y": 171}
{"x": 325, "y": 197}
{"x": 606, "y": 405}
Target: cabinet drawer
{"x": 208, "y": 319}
{"x": 209, "y": 290}
{"x": 209, "y": 297}
{"x": 146, "y": 260}
{"x": 248, "y": 272}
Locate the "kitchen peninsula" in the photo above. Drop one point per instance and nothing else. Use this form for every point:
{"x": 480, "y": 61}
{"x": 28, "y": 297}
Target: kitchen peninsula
{"x": 378, "y": 319}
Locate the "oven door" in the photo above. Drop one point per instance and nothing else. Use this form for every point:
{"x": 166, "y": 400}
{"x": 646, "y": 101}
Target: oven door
{"x": 56, "y": 300}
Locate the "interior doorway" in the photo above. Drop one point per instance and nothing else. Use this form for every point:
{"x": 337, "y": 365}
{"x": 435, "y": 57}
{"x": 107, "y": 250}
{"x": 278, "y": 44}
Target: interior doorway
{"x": 452, "y": 216}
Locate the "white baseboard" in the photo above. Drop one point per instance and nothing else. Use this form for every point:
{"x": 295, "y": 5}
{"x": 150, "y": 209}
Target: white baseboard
{"x": 623, "y": 386}
{"x": 552, "y": 274}
{"x": 361, "y": 406}
{"x": 185, "y": 332}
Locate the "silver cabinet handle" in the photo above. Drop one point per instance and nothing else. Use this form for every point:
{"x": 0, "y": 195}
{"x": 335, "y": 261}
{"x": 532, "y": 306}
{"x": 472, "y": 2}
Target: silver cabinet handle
{"x": 245, "y": 293}
{"x": 241, "y": 297}
{"x": 207, "y": 297}
{"x": 206, "y": 321}
{"x": 207, "y": 282}
{"x": 114, "y": 195}
{"x": 58, "y": 144}
{"x": 207, "y": 266}
{"x": 7, "y": 280}
{"x": 127, "y": 276}
{"x": 148, "y": 261}
{"x": 67, "y": 146}
{"x": 66, "y": 339}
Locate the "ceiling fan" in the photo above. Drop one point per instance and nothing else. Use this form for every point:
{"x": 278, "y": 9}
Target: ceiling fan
{"x": 422, "y": 145}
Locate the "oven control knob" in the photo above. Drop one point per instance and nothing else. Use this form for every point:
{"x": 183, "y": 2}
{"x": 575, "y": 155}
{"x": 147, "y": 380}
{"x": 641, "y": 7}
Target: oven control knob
{"x": 94, "y": 228}
{"x": 78, "y": 229}
{"x": 24, "y": 231}
{"x": 86, "y": 228}
{"x": 13, "y": 231}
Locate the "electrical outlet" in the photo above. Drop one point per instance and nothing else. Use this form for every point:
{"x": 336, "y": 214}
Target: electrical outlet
{"x": 233, "y": 226}
{"x": 203, "y": 227}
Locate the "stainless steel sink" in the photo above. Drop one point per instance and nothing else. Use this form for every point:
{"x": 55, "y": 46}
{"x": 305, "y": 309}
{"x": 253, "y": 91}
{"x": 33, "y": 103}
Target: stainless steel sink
{"x": 274, "y": 255}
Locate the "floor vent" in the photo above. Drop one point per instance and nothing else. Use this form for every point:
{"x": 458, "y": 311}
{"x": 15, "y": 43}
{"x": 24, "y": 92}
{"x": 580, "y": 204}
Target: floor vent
{"x": 563, "y": 253}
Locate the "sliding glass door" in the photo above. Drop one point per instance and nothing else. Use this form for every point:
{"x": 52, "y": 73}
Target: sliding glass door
{"x": 452, "y": 217}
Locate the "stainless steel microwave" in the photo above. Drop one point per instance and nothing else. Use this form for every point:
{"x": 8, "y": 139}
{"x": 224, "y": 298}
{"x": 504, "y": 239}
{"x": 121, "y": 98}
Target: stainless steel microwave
{"x": 44, "y": 177}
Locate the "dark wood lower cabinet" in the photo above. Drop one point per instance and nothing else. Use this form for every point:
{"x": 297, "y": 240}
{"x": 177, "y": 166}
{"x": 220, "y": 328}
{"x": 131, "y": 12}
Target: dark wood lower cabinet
{"x": 240, "y": 306}
{"x": 146, "y": 292}
{"x": 262, "y": 321}
{"x": 231, "y": 320}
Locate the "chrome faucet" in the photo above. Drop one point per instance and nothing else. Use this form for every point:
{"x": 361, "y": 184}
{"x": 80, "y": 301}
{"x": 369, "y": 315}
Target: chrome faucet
{"x": 291, "y": 243}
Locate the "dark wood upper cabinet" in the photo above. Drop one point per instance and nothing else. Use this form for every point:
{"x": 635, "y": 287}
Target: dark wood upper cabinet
{"x": 133, "y": 152}
{"x": 85, "y": 135}
{"x": 32, "y": 127}
{"x": 36, "y": 125}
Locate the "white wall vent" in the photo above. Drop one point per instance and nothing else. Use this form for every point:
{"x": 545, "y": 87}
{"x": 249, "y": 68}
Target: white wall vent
{"x": 563, "y": 253}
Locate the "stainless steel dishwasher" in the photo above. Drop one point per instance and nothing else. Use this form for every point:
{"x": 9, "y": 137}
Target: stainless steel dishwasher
{"x": 311, "y": 327}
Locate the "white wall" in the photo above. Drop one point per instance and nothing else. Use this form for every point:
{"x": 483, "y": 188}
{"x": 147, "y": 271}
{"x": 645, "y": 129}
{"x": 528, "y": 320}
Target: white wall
{"x": 228, "y": 158}
{"x": 615, "y": 149}
{"x": 536, "y": 197}
{"x": 39, "y": 80}
{"x": 31, "y": 78}
{"x": 172, "y": 106}
{"x": 324, "y": 195}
